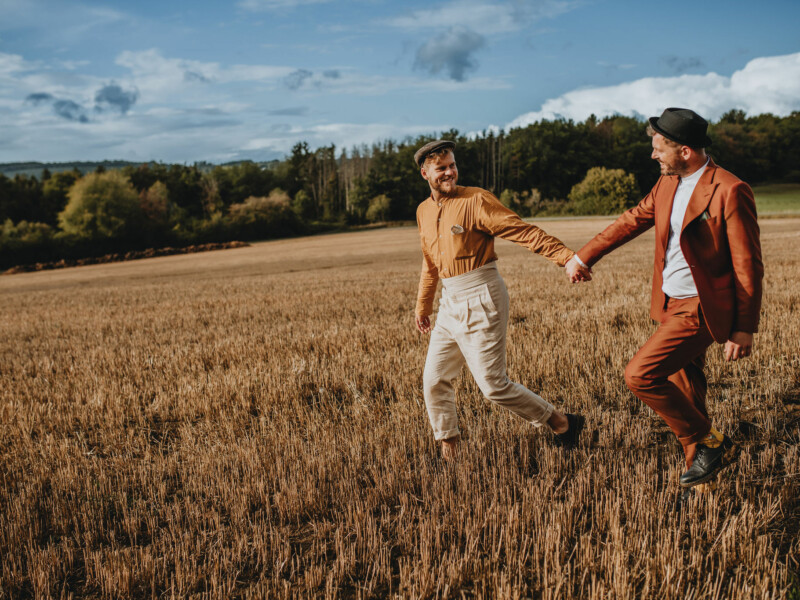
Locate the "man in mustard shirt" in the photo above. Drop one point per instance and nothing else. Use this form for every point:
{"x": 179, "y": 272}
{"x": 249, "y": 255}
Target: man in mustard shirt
{"x": 457, "y": 226}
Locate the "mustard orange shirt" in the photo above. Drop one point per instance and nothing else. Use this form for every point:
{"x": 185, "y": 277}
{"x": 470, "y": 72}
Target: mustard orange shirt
{"x": 457, "y": 236}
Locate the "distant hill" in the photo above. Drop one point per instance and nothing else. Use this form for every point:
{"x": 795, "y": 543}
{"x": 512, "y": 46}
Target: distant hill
{"x": 36, "y": 168}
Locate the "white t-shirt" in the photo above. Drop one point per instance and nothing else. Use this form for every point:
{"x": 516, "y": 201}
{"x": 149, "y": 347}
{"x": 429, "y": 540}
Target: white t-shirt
{"x": 678, "y": 281}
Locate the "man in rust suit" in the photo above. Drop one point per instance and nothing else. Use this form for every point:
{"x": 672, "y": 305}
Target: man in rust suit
{"x": 706, "y": 283}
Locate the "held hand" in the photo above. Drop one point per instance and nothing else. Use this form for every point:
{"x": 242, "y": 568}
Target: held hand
{"x": 577, "y": 272}
{"x": 739, "y": 345}
{"x": 423, "y": 323}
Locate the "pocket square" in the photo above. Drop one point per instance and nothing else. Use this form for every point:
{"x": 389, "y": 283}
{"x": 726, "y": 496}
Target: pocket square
{"x": 456, "y": 229}
{"x": 705, "y": 216}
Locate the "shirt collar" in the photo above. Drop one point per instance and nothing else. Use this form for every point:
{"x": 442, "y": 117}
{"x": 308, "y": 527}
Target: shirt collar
{"x": 694, "y": 177}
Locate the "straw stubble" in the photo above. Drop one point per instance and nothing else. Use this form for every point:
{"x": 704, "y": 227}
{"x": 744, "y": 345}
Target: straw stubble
{"x": 249, "y": 423}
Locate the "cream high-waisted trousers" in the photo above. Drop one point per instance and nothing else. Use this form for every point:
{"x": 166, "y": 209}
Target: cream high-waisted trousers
{"x": 471, "y": 328}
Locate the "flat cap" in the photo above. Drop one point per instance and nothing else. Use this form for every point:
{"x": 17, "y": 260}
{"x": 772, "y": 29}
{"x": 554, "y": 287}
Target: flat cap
{"x": 419, "y": 155}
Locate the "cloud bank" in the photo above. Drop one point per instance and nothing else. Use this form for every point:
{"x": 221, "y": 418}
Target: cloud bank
{"x": 765, "y": 85}
{"x": 178, "y": 110}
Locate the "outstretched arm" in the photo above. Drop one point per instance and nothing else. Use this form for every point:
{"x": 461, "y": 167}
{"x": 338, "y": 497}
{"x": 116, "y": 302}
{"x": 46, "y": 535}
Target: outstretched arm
{"x": 628, "y": 225}
{"x": 497, "y": 220}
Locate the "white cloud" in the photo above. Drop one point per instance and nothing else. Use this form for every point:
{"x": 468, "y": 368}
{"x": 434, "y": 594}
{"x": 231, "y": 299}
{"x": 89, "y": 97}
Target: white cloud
{"x": 11, "y": 64}
{"x": 265, "y": 5}
{"x": 768, "y": 84}
{"x": 165, "y": 79}
{"x": 218, "y": 112}
{"x": 485, "y": 17}
{"x": 350, "y": 81}
{"x": 343, "y": 135}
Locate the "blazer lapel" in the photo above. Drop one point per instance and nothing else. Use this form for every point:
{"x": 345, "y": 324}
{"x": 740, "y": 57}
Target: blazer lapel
{"x": 664, "y": 210}
{"x": 701, "y": 196}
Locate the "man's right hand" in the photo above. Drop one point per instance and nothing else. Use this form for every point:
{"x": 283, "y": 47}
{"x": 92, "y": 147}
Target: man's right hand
{"x": 423, "y": 323}
{"x": 576, "y": 271}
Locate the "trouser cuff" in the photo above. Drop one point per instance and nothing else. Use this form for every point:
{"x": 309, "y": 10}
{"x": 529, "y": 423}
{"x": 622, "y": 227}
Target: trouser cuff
{"x": 695, "y": 438}
{"x": 446, "y": 435}
{"x": 545, "y": 417}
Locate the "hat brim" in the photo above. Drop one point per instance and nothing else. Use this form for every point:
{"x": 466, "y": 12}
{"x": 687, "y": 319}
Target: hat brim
{"x": 654, "y": 124}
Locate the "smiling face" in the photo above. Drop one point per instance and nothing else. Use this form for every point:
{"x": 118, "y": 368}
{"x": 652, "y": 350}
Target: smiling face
{"x": 671, "y": 157}
{"x": 441, "y": 173}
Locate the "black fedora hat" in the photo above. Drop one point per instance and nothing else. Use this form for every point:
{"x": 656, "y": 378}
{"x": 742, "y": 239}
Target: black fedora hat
{"x": 419, "y": 155}
{"x": 683, "y": 126}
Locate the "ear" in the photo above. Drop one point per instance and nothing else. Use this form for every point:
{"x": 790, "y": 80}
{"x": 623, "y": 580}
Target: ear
{"x": 423, "y": 172}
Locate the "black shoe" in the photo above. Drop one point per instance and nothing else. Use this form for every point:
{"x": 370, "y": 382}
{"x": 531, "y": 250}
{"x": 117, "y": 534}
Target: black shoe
{"x": 706, "y": 463}
{"x": 569, "y": 439}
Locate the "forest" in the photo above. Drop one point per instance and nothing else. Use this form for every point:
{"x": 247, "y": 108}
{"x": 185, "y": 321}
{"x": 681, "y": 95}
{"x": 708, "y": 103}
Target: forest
{"x": 560, "y": 167}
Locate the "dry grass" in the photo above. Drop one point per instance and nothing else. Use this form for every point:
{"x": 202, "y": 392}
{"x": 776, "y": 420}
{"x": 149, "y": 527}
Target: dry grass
{"x": 249, "y": 423}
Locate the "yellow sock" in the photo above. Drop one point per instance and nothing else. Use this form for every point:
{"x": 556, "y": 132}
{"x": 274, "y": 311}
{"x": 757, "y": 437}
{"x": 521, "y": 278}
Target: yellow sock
{"x": 713, "y": 439}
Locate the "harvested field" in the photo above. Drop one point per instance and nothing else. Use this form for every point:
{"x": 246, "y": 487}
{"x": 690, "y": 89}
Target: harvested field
{"x": 249, "y": 423}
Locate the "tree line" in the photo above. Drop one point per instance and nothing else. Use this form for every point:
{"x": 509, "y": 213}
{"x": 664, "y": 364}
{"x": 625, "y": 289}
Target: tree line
{"x": 597, "y": 166}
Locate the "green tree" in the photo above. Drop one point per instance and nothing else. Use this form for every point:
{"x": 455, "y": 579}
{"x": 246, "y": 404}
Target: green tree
{"x": 161, "y": 213}
{"x": 260, "y": 217}
{"x": 54, "y": 194}
{"x": 604, "y": 192}
{"x": 212, "y": 198}
{"x": 20, "y": 198}
{"x": 379, "y": 208}
{"x": 509, "y": 199}
{"x": 102, "y": 205}
{"x": 303, "y": 205}
{"x": 23, "y": 233}
{"x": 247, "y": 179}
{"x": 359, "y": 198}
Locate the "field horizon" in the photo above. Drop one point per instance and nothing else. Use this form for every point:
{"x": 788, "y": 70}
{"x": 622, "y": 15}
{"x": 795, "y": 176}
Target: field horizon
{"x": 249, "y": 423}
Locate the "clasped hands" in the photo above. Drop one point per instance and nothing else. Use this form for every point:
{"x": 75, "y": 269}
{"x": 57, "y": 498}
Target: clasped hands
{"x": 576, "y": 271}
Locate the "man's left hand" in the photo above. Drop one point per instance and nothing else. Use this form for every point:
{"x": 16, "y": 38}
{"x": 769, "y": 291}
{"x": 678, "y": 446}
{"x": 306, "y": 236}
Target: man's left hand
{"x": 576, "y": 271}
{"x": 739, "y": 345}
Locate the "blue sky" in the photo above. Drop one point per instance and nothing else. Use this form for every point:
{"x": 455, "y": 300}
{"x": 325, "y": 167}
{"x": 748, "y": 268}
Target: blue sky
{"x": 221, "y": 81}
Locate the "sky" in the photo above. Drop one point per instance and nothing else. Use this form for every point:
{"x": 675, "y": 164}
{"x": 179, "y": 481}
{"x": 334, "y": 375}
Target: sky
{"x": 218, "y": 81}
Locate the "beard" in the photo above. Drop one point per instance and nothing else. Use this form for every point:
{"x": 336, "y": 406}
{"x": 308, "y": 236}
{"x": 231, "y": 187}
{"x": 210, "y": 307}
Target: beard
{"x": 445, "y": 188}
{"x": 677, "y": 166}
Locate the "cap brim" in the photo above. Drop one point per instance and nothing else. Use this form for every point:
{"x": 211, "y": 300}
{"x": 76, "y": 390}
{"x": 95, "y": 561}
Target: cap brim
{"x": 419, "y": 157}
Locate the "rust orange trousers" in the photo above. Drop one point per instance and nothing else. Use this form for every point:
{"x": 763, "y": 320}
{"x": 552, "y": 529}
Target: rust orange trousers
{"x": 667, "y": 372}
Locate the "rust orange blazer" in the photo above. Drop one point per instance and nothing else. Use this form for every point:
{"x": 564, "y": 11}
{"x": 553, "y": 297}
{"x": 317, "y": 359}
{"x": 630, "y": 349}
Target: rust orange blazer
{"x": 719, "y": 239}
